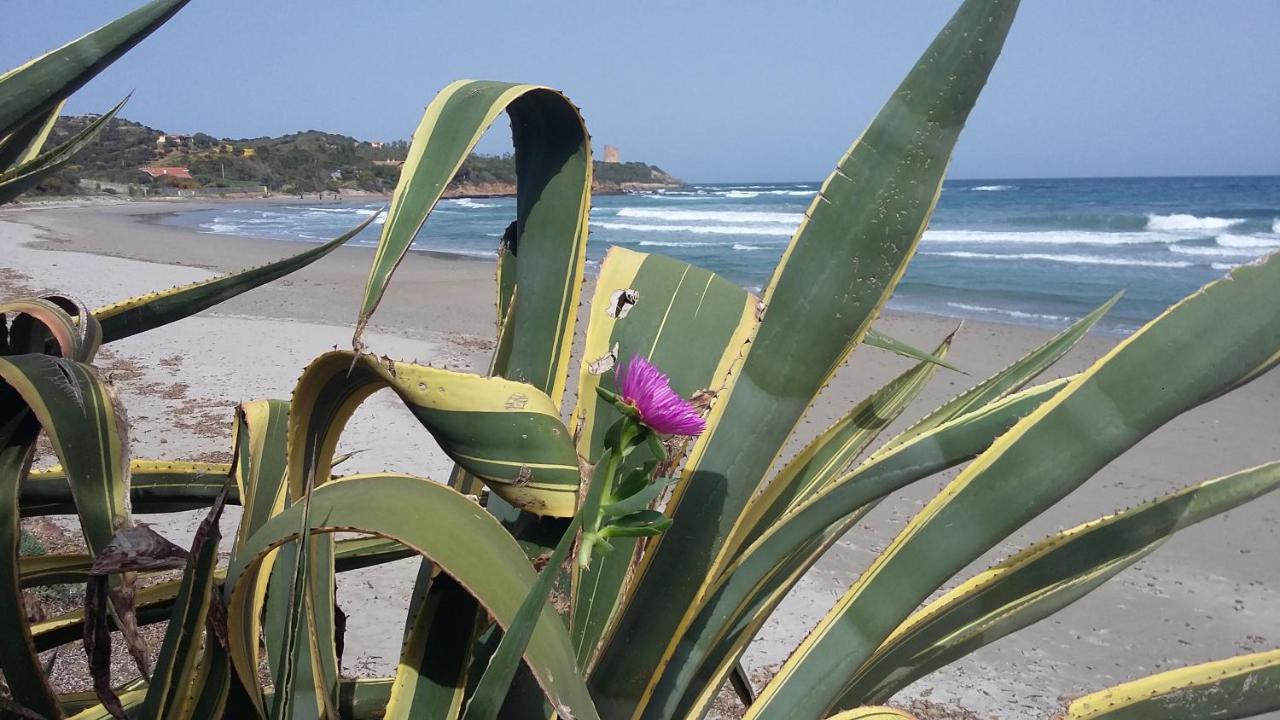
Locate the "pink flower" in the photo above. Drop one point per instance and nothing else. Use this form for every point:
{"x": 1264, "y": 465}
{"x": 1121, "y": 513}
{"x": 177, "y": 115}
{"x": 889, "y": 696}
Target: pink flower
{"x": 645, "y": 388}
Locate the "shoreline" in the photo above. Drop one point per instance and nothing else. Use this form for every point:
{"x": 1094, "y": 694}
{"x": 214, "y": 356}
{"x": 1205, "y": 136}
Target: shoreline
{"x": 181, "y": 382}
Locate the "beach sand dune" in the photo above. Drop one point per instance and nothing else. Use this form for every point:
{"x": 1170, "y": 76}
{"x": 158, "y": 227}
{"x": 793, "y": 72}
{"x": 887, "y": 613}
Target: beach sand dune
{"x": 1210, "y": 592}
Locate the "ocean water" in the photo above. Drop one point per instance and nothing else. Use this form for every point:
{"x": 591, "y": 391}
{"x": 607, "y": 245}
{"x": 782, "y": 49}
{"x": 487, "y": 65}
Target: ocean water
{"x": 1040, "y": 252}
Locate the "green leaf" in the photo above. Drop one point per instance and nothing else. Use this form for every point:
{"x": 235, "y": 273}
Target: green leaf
{"x": 1103, "y": 412}
{"x": 150, "y": 311}
{"x": 506, "y": 433}
{"x": 877, "y": 339}
{"x": 841, "y": 267}
{"x": 24, "y": 143}
{"x": 155, "y": 486}
{"x": 553, "y": 170}
{"x": 178, "y": 665}
{"x": 748, "y": 590}
{"x": 464, "y": 541}
{"x": 23, "y": 672}
{"x": 494, "y": 683}
{"x": 1238, "y": 687}
{"x": 34, "y": 88}
{"x": 689, "y": 322}
{"x": 1011, "y": 379}
{"x": 83, "y": 422}
{"x": 1041, "y": 580}
{"x": 46, "y": 325}
{"x": 431, "y": 678}
{"x": 830, "y": 454}
{"x": 640, "y": 500}
{"x": 23, "y": 177}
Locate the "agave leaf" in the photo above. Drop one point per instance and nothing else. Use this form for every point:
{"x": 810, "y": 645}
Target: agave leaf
{"x": 128, "y": 699}
{"x": 1238, "y": 687}
{"x": 147, "y": 312}
{"x": 348, "y": 554}
{"x": 155, "y": 602}
{"x": 873, "y": 713}
{"x": 1011, "y": 379}
{"x": 23, "y": 673}
{"x": 34, "y": 88}
{"x": 1102, "y": 413}
{"x": 155, "y": 486}
{"x": 830, "y": 454}
{"x": 1041, "y": 580}
{"x": 748, "y": 590}
{"x": 841, "y": 267}
{"x": 691, "y": 323}
{"x": 84, "y": 424}
{"x": 487, "y": 699}
{"x": 506, "y": 433}
{"x": 464, "y": 541}
{"x": 553, "y": 170}
{"x": 431, "y": 679}
{"x": 23, "y": 144}
{"x": 22, "y": 178}
{"x": 877, "y": 339}
{"x": 178, "y": 665}
{"x": 47, "y": 325}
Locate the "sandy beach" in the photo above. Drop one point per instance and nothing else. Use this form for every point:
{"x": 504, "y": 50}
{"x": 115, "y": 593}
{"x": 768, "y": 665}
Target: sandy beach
{"x": 1210, "y": 592}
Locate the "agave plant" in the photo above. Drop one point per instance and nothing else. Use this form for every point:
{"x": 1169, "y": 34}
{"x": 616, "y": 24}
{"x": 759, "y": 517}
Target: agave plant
{"x": 518, "y": 610}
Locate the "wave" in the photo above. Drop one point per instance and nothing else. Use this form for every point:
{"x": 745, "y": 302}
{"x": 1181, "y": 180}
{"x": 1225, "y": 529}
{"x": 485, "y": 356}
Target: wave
{"x": 1225, "y": 266}
{"x": 665, "y": 243}
{"x": 1071, "y": 259}
{"x": 1218, "y": 251}
{"x": 1185, "y": 223}
{"x": 993, "y": 188}
{"x": 1248, "y": 241}
{"x": 469, "y": 203}
{"x": 1275, "y": 226}
{"x": 723, "y": 216}
{"x": 697, "y": 229}
{"x": 1008, "y": 313}
{"x": 738, "y": 194}
{"x": 744, "y": 246}
{"x": 1049, "y": 237}
{"x": 217, "y": 227}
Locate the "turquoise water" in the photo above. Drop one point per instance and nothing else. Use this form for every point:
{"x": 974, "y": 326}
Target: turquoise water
{"x": 1040, "y": 252}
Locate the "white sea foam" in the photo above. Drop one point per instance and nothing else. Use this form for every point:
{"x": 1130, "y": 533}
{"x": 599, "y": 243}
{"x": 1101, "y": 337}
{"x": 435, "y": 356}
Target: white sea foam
{"x": 1275, "y": 226}
{"x": 1218, "y": 251}
{"x": 740, "y": 194}
{"x": 1248, "y": 241}
{"x": 777, "y": 230}
{"x": 217, "y": 227}
{"x": 719, "y": 216}
{"x": 1008, "y": 313}
{"x": 1186, "y": 223}
{"x": 1050, "y": 237}
{"x": 469, "y": 203}
{"x": 665, "y": 243}
{"x": 1225, "y": 266}
{"x": 1070, "y": 259}
{"x": 744, "y": 246}
{"x": 993, "y": 188}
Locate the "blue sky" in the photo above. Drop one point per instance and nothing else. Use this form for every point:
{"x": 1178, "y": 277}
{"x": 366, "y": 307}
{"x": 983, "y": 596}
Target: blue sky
{"x": 712, "y": 91}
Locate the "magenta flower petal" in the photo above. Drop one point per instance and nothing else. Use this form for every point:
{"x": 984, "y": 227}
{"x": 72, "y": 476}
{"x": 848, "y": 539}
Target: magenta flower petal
{"x": 645, "y": 387}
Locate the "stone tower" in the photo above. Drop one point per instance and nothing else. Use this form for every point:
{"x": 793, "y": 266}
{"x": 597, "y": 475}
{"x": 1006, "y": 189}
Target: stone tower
{"x": 611, "y": 154}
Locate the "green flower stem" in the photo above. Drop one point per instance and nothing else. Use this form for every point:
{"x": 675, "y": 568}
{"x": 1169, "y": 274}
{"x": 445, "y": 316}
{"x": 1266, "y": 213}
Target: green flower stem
{"x": 623, "y": 437}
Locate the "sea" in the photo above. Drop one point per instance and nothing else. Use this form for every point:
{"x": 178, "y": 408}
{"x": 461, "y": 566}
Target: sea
{"x": 1039, "y": 252}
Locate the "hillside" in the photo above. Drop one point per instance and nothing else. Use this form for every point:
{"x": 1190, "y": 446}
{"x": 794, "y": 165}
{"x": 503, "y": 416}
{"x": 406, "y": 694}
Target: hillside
{"x": 302, "y": 162}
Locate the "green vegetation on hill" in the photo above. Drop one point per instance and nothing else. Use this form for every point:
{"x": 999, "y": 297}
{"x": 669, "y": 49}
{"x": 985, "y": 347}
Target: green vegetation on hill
{"x": 308, "y": 161}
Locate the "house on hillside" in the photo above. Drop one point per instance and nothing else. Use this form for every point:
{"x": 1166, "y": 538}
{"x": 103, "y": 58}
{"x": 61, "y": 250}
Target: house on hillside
{"x": 178, "y": 173}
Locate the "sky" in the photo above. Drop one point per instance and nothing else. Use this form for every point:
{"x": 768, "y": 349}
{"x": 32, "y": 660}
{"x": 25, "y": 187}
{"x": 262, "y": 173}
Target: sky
{"x": 712, "y": 91}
